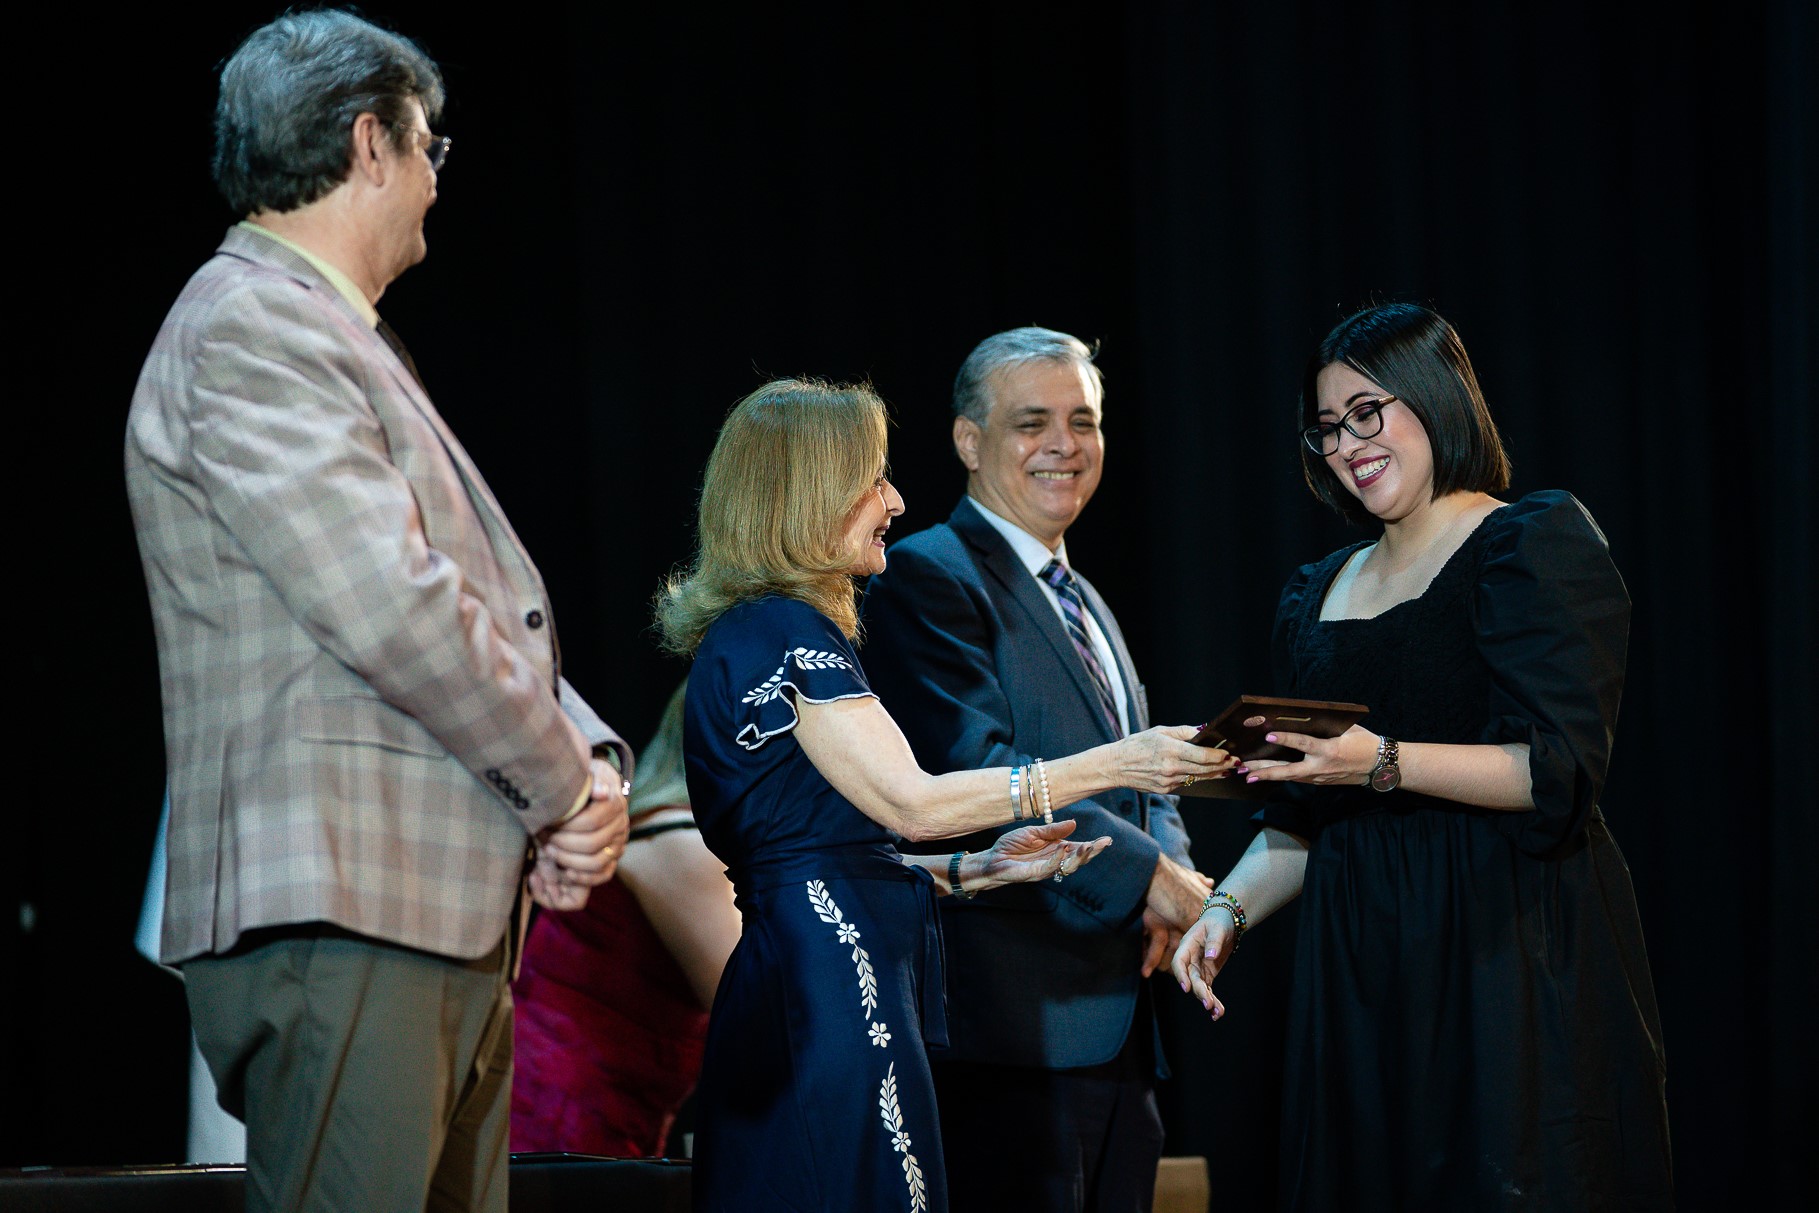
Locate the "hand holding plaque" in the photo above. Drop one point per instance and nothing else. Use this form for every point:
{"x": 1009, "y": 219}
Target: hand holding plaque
{"x": 1241, "y": 728}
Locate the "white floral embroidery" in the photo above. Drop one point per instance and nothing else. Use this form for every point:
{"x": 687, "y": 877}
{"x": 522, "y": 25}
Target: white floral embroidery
{"x": 868, "y": 981}
{"x": 767, "y": 690}
{"x": 807, "y": 659}
{"x": 816, "y": 659}
{"x": 827, "y": 911}
{"x": 900, "y": 1140}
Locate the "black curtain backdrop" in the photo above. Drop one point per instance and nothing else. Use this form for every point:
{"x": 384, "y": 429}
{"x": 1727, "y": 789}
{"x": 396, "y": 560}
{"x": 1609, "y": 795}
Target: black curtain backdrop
{"x": 647, "y": 209}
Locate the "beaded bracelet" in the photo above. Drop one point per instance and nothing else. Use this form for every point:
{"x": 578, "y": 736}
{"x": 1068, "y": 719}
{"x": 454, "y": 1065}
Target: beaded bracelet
{"x": 1221, "y": 899}
{"x": 1016, "y": 793}
{"x": 953, "y": 876}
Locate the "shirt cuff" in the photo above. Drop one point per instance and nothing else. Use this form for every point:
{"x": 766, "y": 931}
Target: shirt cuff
{"x": 587, "y": 793}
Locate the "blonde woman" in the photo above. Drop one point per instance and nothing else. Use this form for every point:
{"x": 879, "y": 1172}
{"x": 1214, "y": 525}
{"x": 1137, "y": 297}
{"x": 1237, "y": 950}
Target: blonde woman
{"x": 815, "y": 1091}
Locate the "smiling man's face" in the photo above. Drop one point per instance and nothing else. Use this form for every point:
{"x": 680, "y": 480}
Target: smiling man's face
{"x": 1036, "y": 460}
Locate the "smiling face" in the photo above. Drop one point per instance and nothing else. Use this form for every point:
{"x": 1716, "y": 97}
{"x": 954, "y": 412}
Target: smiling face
{"x": 1036, "y": 460}
{"x": 1390, "y": 473}
{"x": 863, "y": 535}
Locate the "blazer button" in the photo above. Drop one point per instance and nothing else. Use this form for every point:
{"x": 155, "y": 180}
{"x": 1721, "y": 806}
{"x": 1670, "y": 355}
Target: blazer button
{"x": 534, "y": 620}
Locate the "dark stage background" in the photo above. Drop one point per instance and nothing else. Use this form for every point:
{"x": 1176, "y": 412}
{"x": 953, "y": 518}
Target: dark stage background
{"x": 648, "y": 208}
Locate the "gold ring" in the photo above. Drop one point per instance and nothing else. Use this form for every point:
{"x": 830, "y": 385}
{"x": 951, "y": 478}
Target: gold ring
{"x": 608, "y": 851}
{"x": 1189, "y": 781}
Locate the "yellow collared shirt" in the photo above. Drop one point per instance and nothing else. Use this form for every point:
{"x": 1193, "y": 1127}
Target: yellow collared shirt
{"x": 336, "y": 278}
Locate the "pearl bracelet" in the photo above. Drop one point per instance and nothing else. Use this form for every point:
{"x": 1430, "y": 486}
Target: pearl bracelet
{"x": 1048, "y": 804}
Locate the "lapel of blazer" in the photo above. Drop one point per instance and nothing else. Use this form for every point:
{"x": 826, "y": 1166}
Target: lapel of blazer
{"x": 996, "y": 558}
{"x": 242, "y": 243}
{"x": 491, "y": 514}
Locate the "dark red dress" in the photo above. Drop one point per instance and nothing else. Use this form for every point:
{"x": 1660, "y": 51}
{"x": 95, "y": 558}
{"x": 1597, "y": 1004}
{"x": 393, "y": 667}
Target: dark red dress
{"x": 609, "y": 1035}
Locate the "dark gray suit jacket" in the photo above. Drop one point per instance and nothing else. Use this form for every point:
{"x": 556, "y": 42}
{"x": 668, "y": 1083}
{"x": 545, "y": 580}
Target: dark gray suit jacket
{"x": 969, "y": 657}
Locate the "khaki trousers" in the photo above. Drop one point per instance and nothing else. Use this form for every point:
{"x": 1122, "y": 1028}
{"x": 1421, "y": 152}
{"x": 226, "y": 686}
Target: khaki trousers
{"x": 372, "y": 1078}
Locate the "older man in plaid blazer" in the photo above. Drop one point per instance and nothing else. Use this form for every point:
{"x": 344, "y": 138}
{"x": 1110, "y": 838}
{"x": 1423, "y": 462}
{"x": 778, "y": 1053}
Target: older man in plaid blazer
{"x": 369, "y": 740}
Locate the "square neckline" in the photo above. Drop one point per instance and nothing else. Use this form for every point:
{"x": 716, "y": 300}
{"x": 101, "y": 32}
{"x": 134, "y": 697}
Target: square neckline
{"x": 1327, "y": 589}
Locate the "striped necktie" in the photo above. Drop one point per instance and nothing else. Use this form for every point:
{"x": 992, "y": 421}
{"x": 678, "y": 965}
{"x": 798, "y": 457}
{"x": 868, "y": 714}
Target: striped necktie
{"x": 1073, "y": 614}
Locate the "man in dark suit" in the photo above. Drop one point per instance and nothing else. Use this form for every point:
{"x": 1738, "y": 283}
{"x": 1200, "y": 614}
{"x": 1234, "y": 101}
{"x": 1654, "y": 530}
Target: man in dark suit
{"x": 990, "y": 651}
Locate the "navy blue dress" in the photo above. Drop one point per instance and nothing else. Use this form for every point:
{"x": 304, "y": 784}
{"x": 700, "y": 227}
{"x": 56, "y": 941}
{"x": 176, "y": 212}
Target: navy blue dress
{"x": 1472, "y": 1024}
{"x": 815, "y": 1091}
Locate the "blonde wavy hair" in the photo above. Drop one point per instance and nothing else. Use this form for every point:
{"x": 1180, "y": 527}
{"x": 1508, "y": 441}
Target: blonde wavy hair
{"x": 792, "y": 461}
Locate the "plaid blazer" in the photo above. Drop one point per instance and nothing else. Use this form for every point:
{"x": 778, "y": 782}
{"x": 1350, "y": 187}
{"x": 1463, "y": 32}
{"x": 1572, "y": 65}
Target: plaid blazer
{"x": 363, "y": 716}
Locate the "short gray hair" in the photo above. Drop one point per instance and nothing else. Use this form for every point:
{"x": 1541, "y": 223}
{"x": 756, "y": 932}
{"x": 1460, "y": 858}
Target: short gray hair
{"x": 289, "y": 97}
{"x": 1014, "y": 347}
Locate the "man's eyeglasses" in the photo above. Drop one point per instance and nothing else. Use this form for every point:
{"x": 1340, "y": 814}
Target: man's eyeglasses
{"x": 436, "y": 148}
{"x": 1362, "y": 420}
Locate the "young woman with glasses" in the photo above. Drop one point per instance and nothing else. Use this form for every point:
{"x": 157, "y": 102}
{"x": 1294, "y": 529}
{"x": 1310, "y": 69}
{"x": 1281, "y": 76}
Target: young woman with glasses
{"x": 1472, "y": 1024}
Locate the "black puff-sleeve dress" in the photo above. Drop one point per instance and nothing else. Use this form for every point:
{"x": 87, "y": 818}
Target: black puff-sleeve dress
{"x": 1472, "y": 1025}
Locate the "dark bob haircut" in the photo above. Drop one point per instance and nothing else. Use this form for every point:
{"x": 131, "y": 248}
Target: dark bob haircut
{"x": 1415, "y": 356}
{"x": 289, "y": 97}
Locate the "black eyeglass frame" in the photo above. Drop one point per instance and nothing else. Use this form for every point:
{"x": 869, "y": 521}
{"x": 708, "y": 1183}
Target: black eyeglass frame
{"x": 1315, "y": 436}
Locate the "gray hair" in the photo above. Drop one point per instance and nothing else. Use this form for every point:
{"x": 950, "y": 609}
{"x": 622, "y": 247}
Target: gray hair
{"x": 289, "y": 98}
{"x": 1014, "y": 347}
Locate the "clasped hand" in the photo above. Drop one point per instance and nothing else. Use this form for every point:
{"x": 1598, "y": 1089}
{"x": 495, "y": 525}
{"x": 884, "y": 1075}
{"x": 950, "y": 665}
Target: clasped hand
{"x": 575, "y": 855}
{"x": 1170, "y": 907}
{"x": 1346, "y": 759}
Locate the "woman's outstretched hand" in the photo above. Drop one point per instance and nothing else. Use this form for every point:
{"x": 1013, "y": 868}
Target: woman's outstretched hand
{"x": 1037, "y": 853}
{"x": 1203, "y": 952}
{"x": 1163, "y": 759}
